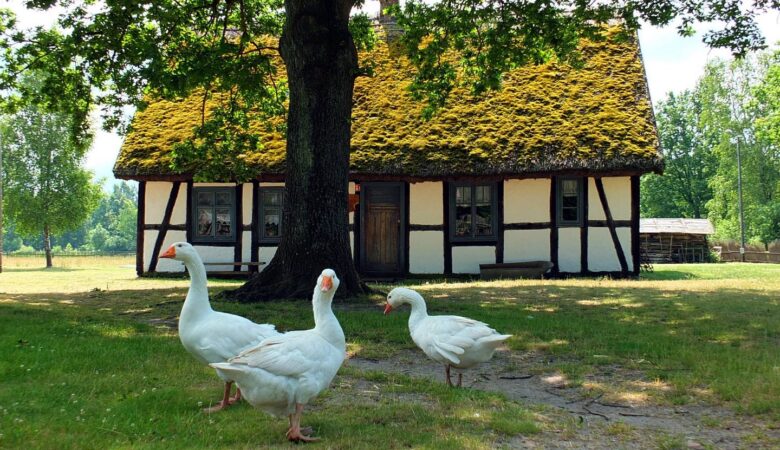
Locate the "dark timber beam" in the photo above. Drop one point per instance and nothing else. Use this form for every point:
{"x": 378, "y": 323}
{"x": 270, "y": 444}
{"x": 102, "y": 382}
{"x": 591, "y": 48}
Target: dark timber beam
{"x": 611, "y": 225}
{"x": 584, "y": 228}
{"x": 635, "y": 241}
{"x": 238, "y": 250}
{"x": 554, "y": 225}
{"x": 254, "y": 252}
{"x": 139, "y": 229}
{"x": 166, "y": 222}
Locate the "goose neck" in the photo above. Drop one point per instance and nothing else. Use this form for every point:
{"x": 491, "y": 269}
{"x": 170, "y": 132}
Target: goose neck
{"x": 325, "y": 321}
{"x": 197, "y": 300}
{"x": 419, "y": 310}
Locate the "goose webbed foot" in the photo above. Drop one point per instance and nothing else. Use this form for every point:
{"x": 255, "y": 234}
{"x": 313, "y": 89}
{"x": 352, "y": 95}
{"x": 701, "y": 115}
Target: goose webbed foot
{"x": 295, "y": 433}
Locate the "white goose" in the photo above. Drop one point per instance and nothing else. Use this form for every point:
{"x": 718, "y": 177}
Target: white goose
{"x": 285, "y": 372}
{"x": 212, "y": 336}
{"x": 454, "y": 341}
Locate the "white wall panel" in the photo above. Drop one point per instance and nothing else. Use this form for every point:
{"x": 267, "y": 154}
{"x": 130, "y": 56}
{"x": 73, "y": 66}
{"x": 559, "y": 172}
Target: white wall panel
{"x": 569, "y": 259}
{"x": 425, "y": 203}
{"x": 468, "y": 259}
{"x": 426, "y": 252}
{"x": 164, "y": 264}
{"x": 526, "y": 245}
{"x": 527, "y": 200}
{"x": 246, "y": 199}
{"x": 618, "y": 192}
{"x": 602, "y": 256}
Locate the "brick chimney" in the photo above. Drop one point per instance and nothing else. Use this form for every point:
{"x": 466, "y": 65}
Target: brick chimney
{"x": 387, "y": 20}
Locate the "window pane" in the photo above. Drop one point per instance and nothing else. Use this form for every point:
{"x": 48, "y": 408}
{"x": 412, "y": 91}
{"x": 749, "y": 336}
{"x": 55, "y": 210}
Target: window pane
{"x": 569, "y": 214}
{"x": 205, "y": 199}
{"x": 463, "y": 195}
{"x": 463, "y": 221}
{"x": 569, "y": 202}
{"x": 484, "y": 220}
{"x": 224, "y": 225}
{"x": 272, "y": 198}
{"x": 483, "y": 195}
{"x": 569, "y": 187}
{"x": 224, "y": 199}
{"x": 205, "y": 221}
{"x": 272, "y": 222}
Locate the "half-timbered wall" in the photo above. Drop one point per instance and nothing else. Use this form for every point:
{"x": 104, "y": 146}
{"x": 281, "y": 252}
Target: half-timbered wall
{"x": 527, "y": 230}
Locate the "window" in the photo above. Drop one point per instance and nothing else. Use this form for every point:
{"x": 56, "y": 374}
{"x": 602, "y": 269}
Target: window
{"x": 473, "y": 212}
{"x": 271, "y": 202}
{"x": 214, "y": 214}
{"x": 570, "y": 202}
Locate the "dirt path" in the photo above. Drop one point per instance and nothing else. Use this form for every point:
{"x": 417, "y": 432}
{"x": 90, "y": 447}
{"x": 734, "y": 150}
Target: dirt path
{"x": 608, "y": 410}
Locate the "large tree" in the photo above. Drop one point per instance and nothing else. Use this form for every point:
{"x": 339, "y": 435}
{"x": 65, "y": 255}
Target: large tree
{"x": 171, "y": 48}
{"x": 46, "y": 189}
{"x": 683, "y": 190}
{"x": 740, "y": 104}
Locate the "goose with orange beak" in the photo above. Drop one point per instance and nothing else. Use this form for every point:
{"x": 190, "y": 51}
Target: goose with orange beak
{"x": 212, "y": 336}
{"x": 282, "y": 374}
{"x": 457, "y": 342}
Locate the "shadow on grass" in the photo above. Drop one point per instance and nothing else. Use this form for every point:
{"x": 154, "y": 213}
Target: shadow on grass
{"x": 724, "y": 341}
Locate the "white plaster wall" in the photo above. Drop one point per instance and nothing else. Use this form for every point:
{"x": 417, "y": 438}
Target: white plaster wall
{"x": 352, "y": 243}
{"x": 526, "y": 245}
{"x": 468, "y": 259}
{"x": 216, "y": 254}
{"x": 618, "y": 191}
{"x": 246, "y": 209}
{"x": 425, "y": 203}
{"x": 426, "y": 252}
{"x": 569, "y": 250}
{"x": 527, "y": 200}
{"x": 601, "y": 250}
{"x": 163, "y": 265}
{"x": 157, "y": 194}
{"x": 266, "y": 254}
{"x": 246, "y": 248}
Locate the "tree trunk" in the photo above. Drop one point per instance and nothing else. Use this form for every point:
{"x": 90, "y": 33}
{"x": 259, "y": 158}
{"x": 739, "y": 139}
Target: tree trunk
{"x": 321, "y": 62}
{"x": 47, "y": 245}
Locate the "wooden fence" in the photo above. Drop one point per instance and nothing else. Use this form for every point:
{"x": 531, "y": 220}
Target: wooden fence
{"x": 729, "y": 252}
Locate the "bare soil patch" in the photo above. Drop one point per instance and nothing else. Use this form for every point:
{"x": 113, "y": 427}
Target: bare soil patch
{"x": 613, "y": 408}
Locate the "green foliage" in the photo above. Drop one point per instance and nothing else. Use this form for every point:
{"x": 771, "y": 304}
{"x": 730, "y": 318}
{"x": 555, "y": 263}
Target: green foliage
{"x": 738, "y": 123}
{"x": 683, "y": 189}
{"x": 733, "y": 106}
{"x": 131, "y": 52}
{"x": 45, "y": 186}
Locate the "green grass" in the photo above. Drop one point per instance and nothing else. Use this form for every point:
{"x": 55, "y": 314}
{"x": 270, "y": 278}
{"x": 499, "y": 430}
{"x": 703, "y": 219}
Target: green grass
{"x": 85, "y": 363}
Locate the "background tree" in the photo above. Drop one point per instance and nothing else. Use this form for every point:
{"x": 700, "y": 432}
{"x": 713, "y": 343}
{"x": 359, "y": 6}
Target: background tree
{"x": 683, "y": 190}
{"x": 226, "y": 51}
{"x": 737, "y": 114}
{"x": 46, "y": 190}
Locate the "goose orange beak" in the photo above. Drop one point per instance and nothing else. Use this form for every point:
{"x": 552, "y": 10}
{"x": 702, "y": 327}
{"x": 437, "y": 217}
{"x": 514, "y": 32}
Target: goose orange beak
{"x": 327, "y": 283}
{"x": 388, "y": 308}
{"x": 170, "y": 253}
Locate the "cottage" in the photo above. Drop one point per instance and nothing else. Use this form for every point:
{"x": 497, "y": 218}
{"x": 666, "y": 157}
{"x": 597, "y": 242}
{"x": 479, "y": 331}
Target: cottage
{"x": 545, "y": 169}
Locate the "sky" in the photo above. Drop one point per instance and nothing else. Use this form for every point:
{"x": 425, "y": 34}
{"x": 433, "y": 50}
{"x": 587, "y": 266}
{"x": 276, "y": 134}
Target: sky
{"x": 672, "y": 63}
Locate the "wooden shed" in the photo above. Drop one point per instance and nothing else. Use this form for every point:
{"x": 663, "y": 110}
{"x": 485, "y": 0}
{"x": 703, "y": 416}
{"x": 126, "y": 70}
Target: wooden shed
{"x": 674, "y": 240}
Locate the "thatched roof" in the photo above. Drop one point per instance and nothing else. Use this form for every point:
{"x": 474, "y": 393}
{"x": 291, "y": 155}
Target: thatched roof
{"x": 545, "y": 119}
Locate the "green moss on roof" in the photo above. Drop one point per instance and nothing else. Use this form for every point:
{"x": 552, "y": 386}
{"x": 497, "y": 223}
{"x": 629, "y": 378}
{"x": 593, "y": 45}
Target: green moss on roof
{"x": 545, "y": 118}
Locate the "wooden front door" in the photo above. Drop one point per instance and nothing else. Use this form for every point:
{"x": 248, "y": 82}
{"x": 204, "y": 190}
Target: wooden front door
{"x": 382, "y": 225}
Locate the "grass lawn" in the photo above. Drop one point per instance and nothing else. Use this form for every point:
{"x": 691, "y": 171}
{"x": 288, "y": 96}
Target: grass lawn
{"x": 88, "y": 358}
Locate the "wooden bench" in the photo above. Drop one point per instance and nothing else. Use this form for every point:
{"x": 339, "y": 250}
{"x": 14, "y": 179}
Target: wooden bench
{"x": 232, "y": 273}
{"x": 235, "y": 263}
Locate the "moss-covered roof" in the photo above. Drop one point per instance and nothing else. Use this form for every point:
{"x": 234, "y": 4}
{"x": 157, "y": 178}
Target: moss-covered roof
{"x": 545, "y": 119}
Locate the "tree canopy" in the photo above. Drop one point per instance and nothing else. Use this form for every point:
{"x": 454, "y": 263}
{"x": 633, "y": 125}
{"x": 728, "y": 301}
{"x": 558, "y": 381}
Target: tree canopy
{"x": 123, "y": 52}
{"x": 46, "y": 191}
{"x": 733, "y": 108}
